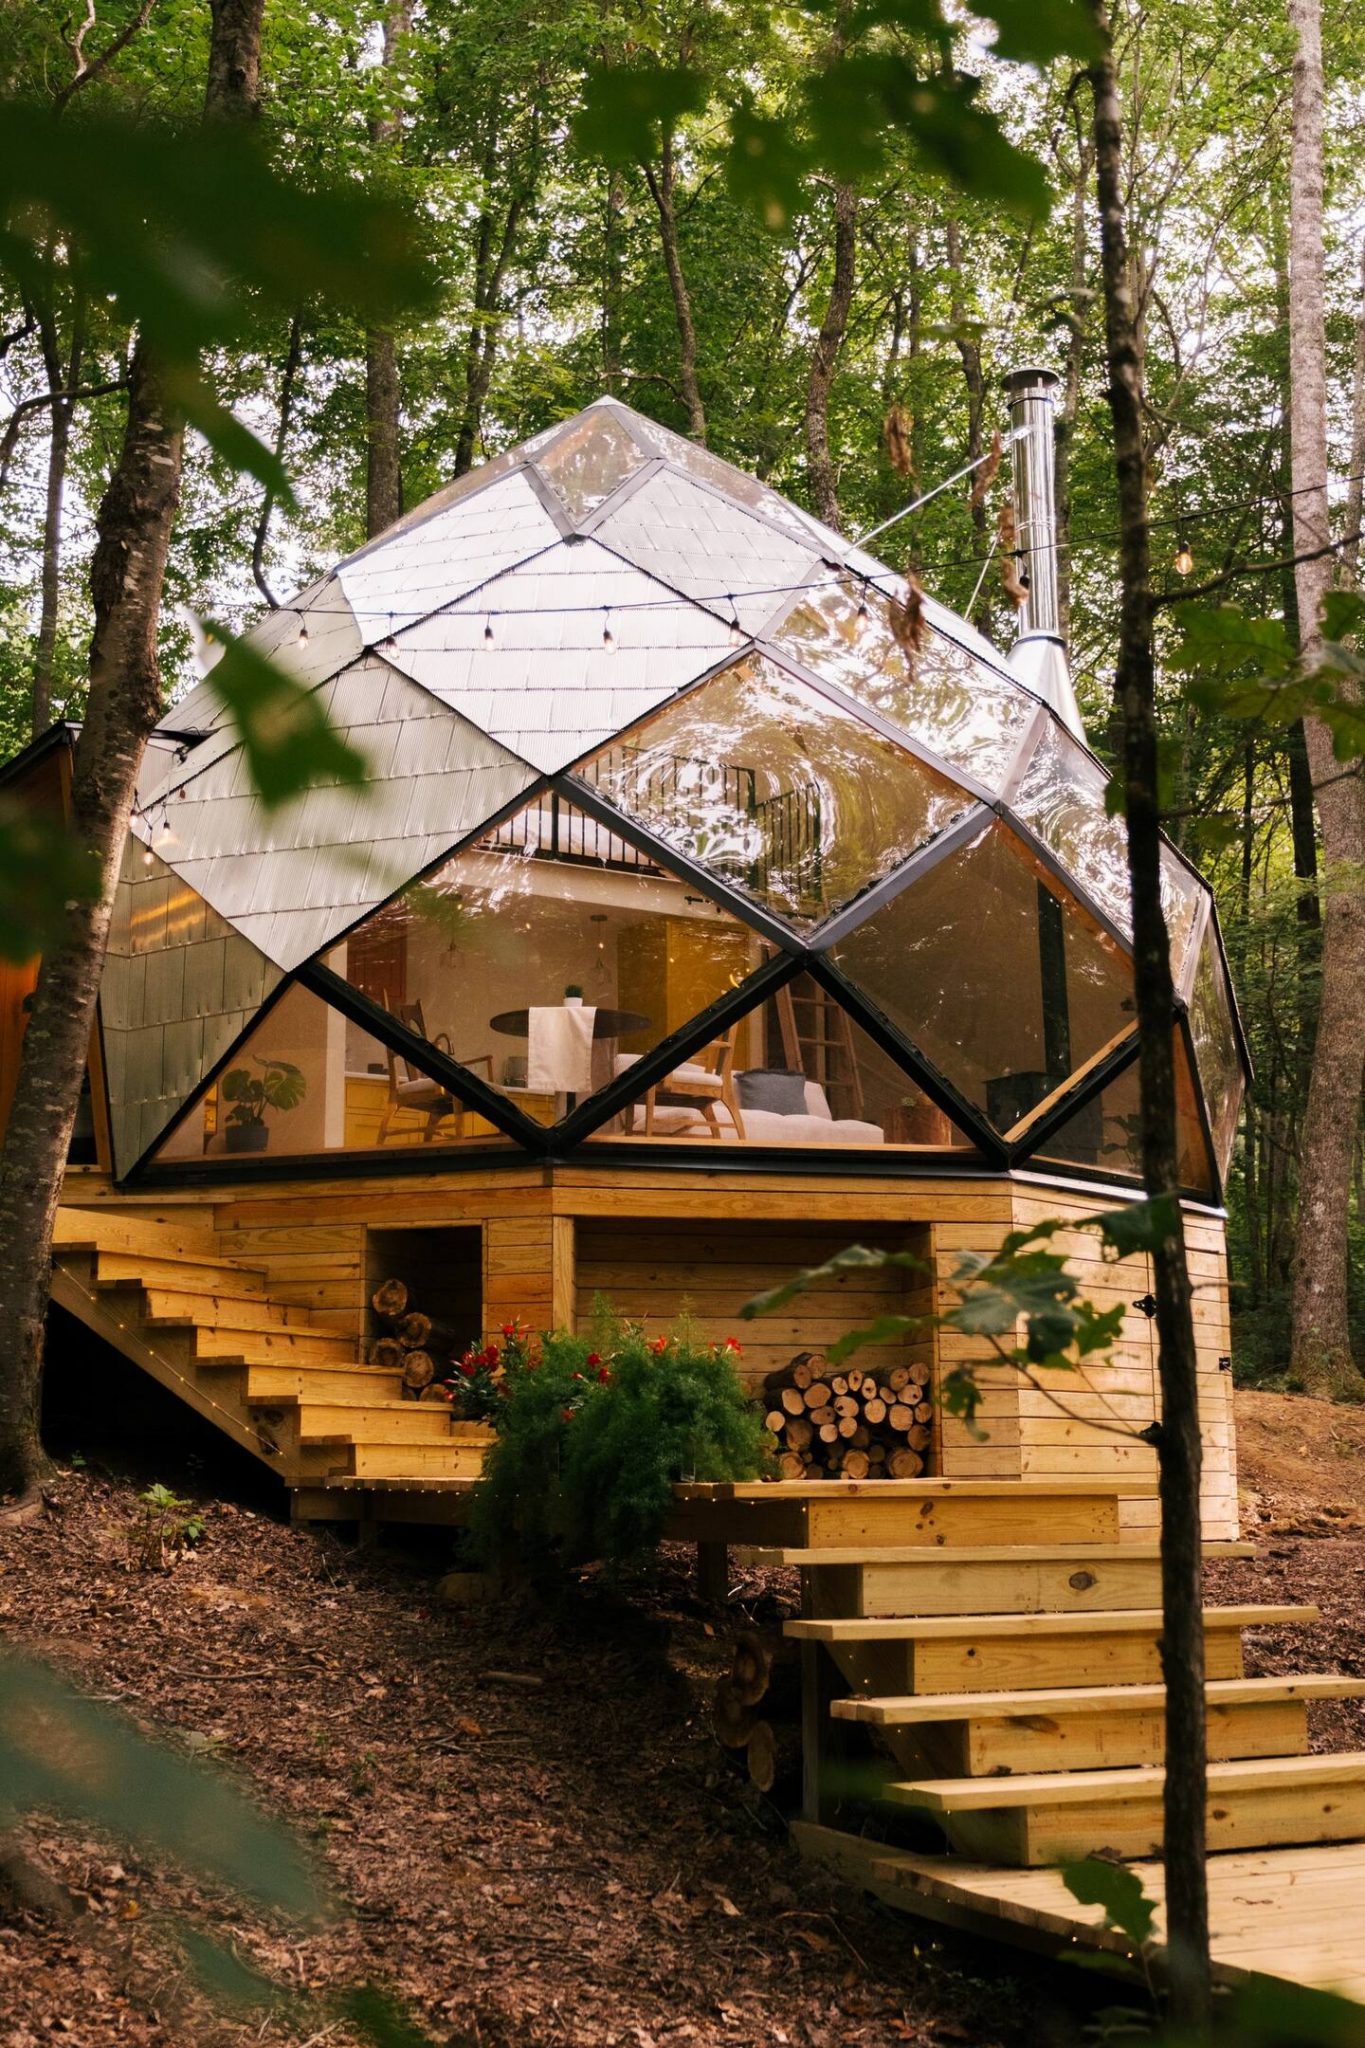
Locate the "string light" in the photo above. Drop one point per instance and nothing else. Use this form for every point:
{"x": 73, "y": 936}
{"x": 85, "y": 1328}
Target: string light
{"x": 1184, "y": 560}
{"x": 488, "y": 630}
{"x": 608, "y": 637}
{"x": 301, "y": 638}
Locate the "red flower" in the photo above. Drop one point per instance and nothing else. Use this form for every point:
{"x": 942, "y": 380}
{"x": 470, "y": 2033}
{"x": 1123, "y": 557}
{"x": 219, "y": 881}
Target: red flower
{"x": 594, "y": 1358}
{"x": 732, "y": 1345}
{"x": 578, "y": 1375}
{"x": 603, "y": 1376}
{"x": 509, "y": 1329}
{"x": 566, "y": 1415}
{"x": 468, "y": 1368}
{"x": 659, "y": 1346}
{"x": 491, "y": 1354}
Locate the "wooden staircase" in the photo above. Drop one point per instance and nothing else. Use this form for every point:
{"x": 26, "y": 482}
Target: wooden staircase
{"x": 285, "y": 1387}
{"x": 985, "y": 1658}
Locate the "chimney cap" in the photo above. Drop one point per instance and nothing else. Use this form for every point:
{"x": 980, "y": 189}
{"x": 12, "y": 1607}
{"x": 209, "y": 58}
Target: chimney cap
{"x": 1016, "y": 382}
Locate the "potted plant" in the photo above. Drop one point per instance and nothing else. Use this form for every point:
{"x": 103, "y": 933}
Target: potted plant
{"x": 280, "y": 1085}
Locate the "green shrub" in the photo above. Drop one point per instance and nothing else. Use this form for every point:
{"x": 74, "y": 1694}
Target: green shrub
{"x": 593, "y": 1434}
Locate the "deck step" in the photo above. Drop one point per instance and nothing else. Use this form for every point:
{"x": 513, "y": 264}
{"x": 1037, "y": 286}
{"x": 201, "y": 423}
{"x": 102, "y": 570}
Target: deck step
{"x": 889, "y": 1655}
{"x": 214, "y": 1310}
{"x": 374, "y": 1421}
{"x": 96, "y": 1230}
{"x": 273, "y": 1381}
{"x": 936, "y": 1513}
{"x": 1017, "y": 1579}
{"x": 380, "y": 1458}
{"x": 246, "y": 1345}
{"x": 1048, "y": 1817}
{"x": 1086, "y": 1728}
{"x": 203, "y": 1276}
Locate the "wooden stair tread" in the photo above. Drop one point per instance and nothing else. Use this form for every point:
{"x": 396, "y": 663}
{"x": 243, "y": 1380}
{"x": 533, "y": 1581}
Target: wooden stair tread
{"x": 929, "y": 1627}
{"x": 956, "y": 1554}
{"x": 1087, "y": 1699}
{"x": 1075, "y": 1788}
{"x": 433, "y": 1482}
{"x": 94, "y": 1230}
{"x": 911, "y": 1489}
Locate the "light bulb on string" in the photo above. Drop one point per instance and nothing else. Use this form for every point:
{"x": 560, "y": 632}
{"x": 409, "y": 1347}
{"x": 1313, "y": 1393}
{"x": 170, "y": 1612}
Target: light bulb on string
{"x": 1184, "y": 560}
{"x": 301, "y": 637}
{"x": 608, "y": 637}
{"x": 488, "y": 630}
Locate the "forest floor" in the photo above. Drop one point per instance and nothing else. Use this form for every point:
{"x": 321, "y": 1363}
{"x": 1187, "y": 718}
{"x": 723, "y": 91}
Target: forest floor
{"x": 566, "y": 1859}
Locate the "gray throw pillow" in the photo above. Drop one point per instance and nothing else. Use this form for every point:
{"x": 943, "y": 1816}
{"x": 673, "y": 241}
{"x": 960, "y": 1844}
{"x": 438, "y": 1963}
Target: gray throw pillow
{"x": 772, "y": 1088}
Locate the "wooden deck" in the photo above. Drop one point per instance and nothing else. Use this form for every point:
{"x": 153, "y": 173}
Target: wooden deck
{"x": 1291, "y": 1915}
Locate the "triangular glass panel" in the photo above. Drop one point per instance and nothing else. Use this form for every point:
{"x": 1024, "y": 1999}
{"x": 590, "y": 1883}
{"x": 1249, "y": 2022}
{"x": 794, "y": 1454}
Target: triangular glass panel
{"x": 590, "y": 460}
{"x": 1106, "y": 1132}
{"x": 308, "y": 1082}
{"x": 546, "y": 954}
{"x": 946, "y": 699}
{"x": 1062, "y": 799}
{"x": 995, "y": 973}
{"x": 786, "y": 796}
{"x": 1215, "y": 1047}
{"x": 793, "y": 1070}
{"x": 737, "y": 484}
{"x": 179, "y": 986}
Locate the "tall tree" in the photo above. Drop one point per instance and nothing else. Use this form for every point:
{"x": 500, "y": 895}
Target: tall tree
{"x": 124, "y": 701}
{"x": 1321, "y": 1354}
{"x": 1179, "y": 1447}
{"x": 383, "y": 465}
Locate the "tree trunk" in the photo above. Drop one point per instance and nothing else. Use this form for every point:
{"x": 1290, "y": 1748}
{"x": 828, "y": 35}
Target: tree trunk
{"x": 60, "y": 377}
{"x": 1179, "y": 1447}
{"x": 133, "y": 534}
{"x": 1321, "y": 1346}
{"x": 663, "y": 190}
{"x": 1355, "y": 469}
{"x": 383, "y": 469}
{"x": 829, "y": 341}
{"x": 612, "y": 277}
{"x": 969, "y": 353}
{"x": 292, "y": 359}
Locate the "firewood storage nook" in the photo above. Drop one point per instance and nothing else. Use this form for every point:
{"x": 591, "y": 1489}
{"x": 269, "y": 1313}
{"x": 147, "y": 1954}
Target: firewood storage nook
{"x": 704, "y": 912}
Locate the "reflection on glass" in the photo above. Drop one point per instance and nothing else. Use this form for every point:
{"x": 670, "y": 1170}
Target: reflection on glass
{"x": 995, "y": 973}
{"x": 790, "y": 798}
{"x": 1215, "y": 1047}
{"x": 707, "y": 468}
{"x": 1062, "y": 799}
{"x": 1107, "y": 1131}
{"x": 306, "y": 1080}
{"x": 796, "y": 1070}
{"x": 547, "y": 955}
{"x": 950, "y": 702}
{"x": 588, "y": 461}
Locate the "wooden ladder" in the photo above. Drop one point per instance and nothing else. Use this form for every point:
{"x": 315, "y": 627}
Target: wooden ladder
{"x": 817, "y": 1041}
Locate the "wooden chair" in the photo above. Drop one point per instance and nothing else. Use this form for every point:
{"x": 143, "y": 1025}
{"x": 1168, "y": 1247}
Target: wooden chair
{"x": 411, "y": 1090}
{"x": 704, "y": 1080}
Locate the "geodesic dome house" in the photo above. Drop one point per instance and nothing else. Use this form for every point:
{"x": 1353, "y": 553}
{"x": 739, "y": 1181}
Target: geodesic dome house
{"x": 677, "y": 842}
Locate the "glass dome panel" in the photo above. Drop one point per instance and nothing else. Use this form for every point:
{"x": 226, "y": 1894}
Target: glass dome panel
{"x": 545, "y": 953}
{"x": 355, "y": 1095}
{"x": 1106, "y": 1131}
{"x": 946, "y": 700}
{"x": 790, "y": 798}
{"x": 1215, "y": 1047}
{"x": 1061, "y": 798}
{"x": 997, "y": 975}
{"x": 746, "y": 490}
{"x": 794, "y": 1070}
{"x": 590, "y": 460}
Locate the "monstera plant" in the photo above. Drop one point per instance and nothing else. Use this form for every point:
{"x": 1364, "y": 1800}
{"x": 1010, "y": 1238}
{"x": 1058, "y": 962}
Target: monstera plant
{"x": 280, "y": 1085}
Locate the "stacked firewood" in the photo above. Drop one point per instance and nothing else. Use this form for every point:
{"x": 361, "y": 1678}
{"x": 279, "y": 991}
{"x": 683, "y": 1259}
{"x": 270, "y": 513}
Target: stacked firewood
{"x": 404, "y": 1346}
{"x": 848, "y": 1425}
{"x": 755, "y": 1710}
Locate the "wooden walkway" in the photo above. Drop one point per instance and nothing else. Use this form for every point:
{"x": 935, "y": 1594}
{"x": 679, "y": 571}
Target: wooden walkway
{"x": 1292, "y": 1915}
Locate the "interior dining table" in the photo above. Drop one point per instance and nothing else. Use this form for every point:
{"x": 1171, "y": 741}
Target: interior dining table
{"x": 605, "y": 1024}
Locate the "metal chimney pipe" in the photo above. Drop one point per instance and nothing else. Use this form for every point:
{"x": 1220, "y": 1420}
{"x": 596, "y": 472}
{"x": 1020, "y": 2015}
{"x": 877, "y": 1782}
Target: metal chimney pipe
{"x": 1030, "y": 396}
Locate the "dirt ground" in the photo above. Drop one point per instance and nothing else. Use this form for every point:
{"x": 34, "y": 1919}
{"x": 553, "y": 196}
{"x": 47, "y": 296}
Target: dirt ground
{"x": 566, "y": 1859}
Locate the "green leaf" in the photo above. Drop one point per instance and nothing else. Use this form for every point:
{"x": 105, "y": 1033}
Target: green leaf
{"x": 62, "y": 1753}
{"x": 1225, "y": 637}
{"x": 966, "y": 145}
{"x": 284, "y": 729}
{"x": 1094, "y": 1881}
{"x": 42, "y": 870}
{"x": 627, "y": 108}
{"x": 857, "y": 1259}
{"x": 1037, "y": 31}
{"x": 225, "y": 434}
{"x": 1343, "y": 612}
{"x": 884, "y": 1330}
{"x": 1141, "y": 1227}
{"x": 764, "y": 167}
